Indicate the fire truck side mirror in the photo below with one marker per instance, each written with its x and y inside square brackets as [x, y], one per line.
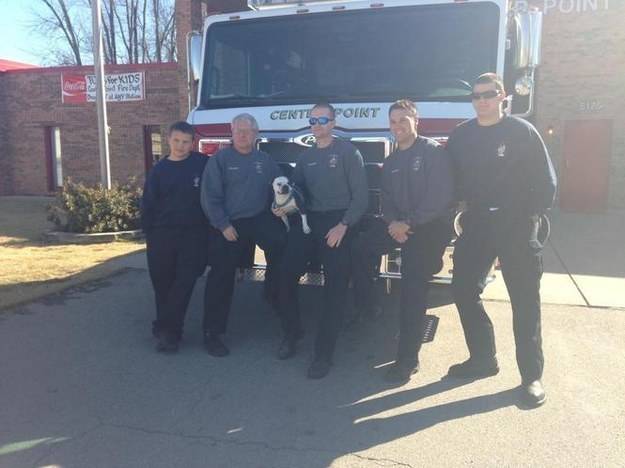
[536, 33]
[194, 56]
[527, 35]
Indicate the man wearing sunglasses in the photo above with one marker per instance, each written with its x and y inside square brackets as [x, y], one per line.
[332, 178]
[504, 181]
[416, 198]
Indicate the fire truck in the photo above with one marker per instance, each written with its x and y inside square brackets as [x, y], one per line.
[275, 61]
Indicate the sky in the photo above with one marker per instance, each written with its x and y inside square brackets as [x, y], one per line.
[17, 41]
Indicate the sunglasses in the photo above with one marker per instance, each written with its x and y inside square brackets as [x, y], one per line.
[485, 95]
[319, 120]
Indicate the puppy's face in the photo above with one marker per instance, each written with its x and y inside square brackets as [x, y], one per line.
[281, 186]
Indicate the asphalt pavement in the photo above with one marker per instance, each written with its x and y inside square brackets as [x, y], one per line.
[81, 386]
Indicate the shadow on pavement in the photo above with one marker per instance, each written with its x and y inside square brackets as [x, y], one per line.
[56, 290]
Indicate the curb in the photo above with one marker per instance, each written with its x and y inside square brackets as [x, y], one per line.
[57, 237]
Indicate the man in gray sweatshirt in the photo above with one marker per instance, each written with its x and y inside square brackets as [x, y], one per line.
[332, 177]
[236, 194]
[416, 195]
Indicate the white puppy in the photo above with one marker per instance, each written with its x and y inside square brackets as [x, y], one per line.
[290, 200]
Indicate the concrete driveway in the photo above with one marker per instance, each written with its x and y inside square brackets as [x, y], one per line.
[584, 261]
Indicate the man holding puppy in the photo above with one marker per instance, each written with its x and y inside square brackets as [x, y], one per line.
[416, 198]
[332, 177]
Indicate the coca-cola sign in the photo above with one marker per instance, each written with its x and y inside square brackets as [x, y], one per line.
[74, 89]
[120, 87]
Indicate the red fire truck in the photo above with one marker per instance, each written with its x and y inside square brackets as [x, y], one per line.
[275, 61]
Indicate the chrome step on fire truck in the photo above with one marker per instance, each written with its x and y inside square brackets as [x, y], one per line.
[277, 59]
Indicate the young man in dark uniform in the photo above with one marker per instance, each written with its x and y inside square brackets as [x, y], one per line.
[177, 233]
[505, 180]
[333, 180]
[236, 193]
[416, 198]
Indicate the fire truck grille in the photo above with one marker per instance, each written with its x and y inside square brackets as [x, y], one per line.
[287, 152]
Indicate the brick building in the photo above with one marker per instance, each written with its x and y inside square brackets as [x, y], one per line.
[579, 94]
[45, 139]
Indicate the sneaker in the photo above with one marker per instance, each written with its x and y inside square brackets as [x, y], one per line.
[215, 347]
[398, 372]
[319, 369]
[533, 394]
[167, 342]
[287, 349]
[473, 369]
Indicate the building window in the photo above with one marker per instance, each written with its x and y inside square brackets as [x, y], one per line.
[54, 157]
[152, 145]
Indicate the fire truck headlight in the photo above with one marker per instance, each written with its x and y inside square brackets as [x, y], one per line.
[523, 86]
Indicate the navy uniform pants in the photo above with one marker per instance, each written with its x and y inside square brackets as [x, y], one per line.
[300, 251]
[264, 230]
[176, 257]
[487, 235]
[421, 258]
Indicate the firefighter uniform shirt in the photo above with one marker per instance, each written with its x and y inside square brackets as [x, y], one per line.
[503, 166]
[237, 185]
[417, 184]
[333, 178]
[171, 195]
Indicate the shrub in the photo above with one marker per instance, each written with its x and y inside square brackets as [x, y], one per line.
[83, 209]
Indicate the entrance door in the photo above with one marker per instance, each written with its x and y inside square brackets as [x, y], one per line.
[585, 165]
[151, 145]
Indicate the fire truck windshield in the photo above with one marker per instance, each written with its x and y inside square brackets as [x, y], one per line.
[427, 53]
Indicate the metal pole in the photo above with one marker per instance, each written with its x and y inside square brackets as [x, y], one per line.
[98, 65]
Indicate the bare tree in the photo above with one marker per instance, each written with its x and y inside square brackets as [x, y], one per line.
[164, 30]
[108, 25]
[58, 19]
[135, 31]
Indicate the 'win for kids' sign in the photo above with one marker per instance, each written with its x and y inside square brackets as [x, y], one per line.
[119, 87]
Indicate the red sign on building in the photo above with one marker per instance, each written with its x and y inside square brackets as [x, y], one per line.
[74, 89]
